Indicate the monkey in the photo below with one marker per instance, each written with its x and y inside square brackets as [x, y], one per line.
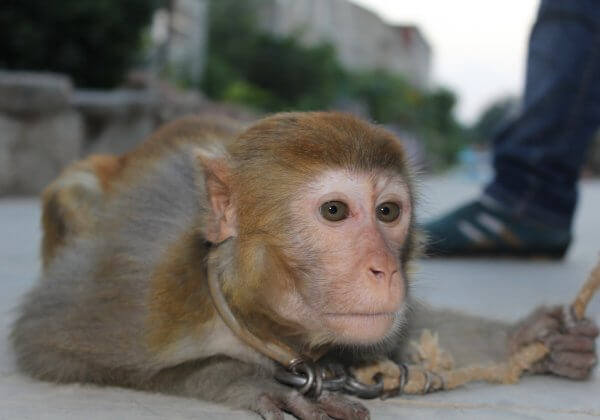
[306, 220]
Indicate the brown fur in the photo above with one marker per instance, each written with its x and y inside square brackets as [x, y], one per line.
[179, 300]
[68, 206]
[315, 142]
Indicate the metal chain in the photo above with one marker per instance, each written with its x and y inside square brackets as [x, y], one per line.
[311, 380]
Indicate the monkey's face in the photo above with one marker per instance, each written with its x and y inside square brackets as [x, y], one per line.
[324, 214]
[349, 230]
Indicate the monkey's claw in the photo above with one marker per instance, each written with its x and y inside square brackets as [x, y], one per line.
[272, 406]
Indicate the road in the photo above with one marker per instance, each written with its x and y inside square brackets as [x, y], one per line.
[505, 289]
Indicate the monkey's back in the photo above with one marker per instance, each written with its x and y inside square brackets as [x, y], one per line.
[93, 301]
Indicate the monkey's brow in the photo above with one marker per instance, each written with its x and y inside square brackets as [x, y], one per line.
[314, 183]
[389, 177]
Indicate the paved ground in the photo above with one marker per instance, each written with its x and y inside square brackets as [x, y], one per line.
[503, 289]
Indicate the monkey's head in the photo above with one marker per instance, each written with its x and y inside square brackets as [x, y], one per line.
[321, 208]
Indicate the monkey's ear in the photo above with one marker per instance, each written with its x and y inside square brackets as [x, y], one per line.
[217, 180]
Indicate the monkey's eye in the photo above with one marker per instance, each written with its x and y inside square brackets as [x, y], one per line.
[387, 212]
[334, 211]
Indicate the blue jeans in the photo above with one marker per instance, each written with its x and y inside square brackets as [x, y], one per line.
[538, 156]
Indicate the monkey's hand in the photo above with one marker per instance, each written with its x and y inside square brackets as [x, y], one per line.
[571, 341]
[272, 405]
[247, 386]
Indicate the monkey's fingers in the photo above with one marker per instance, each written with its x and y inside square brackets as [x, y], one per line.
[574, 360]
[573, 343]
[572, 365]
[340, 407]
[568, 371]
[536, 327]
[585, 327]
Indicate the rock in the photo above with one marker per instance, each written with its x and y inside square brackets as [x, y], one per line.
[100, 104]
[44, 124]
[30, 93]
[116, 120]
[10, 130]
[44, 147]
[121, 135]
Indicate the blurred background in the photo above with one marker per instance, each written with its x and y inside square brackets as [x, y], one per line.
[96, 76]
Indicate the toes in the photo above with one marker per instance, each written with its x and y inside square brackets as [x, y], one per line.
[272, 415]
[574, 343]
[267, 409]
[301, 407]
[340, 407]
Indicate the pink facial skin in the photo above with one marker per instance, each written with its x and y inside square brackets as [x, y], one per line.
[359, 291]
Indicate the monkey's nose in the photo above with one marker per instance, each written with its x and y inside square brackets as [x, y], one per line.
[381, 275]
[381, 268]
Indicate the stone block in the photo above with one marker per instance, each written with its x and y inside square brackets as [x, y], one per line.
[120, 135]
[29, 93]
[44, 147]
[10, 131]
[103, 104]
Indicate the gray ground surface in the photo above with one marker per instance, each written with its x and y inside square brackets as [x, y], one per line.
[505, 289]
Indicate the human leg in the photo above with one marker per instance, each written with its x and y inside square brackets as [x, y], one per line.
[528, 207]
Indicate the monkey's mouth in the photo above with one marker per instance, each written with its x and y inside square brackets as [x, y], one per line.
[360, 314]
[358, 327]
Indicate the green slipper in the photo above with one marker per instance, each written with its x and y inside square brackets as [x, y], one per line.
[477, 229]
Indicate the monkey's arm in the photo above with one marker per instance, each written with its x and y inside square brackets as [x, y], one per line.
[471, 340]
[468, 339]
[247, 386]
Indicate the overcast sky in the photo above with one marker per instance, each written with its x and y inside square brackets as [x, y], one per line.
[478, 46]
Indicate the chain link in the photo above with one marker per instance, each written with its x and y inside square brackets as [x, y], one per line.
[311, 380]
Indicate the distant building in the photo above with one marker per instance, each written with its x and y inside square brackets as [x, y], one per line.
[179, 33]
[362, 39]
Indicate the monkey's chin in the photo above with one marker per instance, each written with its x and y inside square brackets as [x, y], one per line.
[357, 328]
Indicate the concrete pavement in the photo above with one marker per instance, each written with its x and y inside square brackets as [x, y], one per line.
[505, 289]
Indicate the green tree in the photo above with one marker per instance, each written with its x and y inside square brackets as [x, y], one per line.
[250, 66]
[388, 97]
[391, 99]
[94, 41]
